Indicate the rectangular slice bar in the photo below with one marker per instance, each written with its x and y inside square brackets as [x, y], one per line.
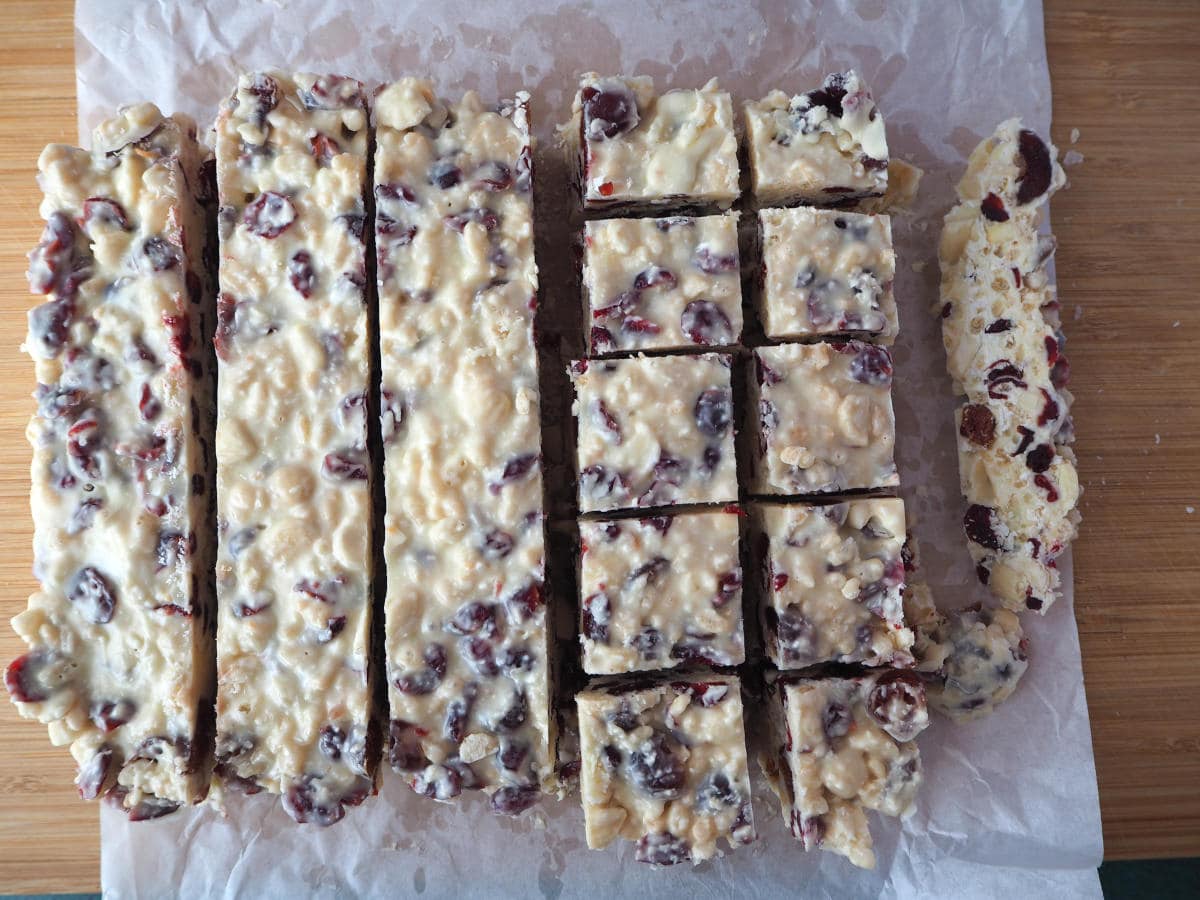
[1004, 351]
[661, 592]
[824, 418]
[294, 506]
[654, 431]
[120, 632]
[664, 764]
[840, 747]
[832, 582]
[826, 146]
[661, 284]
[466, 628]
[639, 152]
[826, 273]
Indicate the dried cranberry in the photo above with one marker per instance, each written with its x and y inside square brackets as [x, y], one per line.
[469, 618]
[651, 570]
[424, 681]
[829, 95]
[148, 405]
[226, 324]
[1060, 373]
[333, 92]
[978, 424]
[1000, 375]
[514, 717]
[647, 643]
[323, 148]
[999, 326]
[1049, 411]
[655, 276]
[23, 678]
[1048, 486]
[104, 211]
[779, 580]
[347, 466]
[525, 603]
[1026, 440]
[444, 175]
[598, 481]
[269, 215]
[714, 411]
[162, 255]
[712, 263]
[1036, 168]
[265, 90]
[497, 544]
[661, 524]
[405, 753]
[493, 176]
[662, 849]
[703, 693]
[897, 703]
[639, 325]
[300, 273]
[729, 586]
[92, 594]
[50, 323]
[459, 221]
[705, 323]
[608, 112]
[607, 420]
[624, 303]
[836, 721]
[84, 515]
[458, 712]
[109, 715]
[602, 339]
[513, 799]
[992, 208]
[516, 468]
[96, 774]
[355, 224]
[58, 264]
[871, 365]
[172, 547]
[300, 801]
[981, 524]
[1039, 458]
[656, 768]
[595, 615]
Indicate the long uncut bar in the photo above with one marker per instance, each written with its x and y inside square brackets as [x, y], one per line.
[1004, 351]
[466, 628]
[121, 631]
[293, 568]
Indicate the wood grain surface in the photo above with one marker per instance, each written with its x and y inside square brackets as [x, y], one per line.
[1124, 74]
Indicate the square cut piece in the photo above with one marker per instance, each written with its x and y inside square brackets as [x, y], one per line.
[664, 764]
[823, 147]
[832, 582]
[826, 273]
[654, 431]
[840, 747]
[661, 592]
[661, 284]
[638, 151]
[824, 419]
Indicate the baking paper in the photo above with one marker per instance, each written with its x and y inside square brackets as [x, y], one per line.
[1010, 805]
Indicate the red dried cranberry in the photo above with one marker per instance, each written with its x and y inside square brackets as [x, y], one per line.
[444, 175]
[405, 753]
[459, 221]
[172, 547]
[58, 264]
[655, 276]
[981, 525]
[269, 215]
[598, 481]
[1048, 486]
[639, 325]
[662, 849]
[162, 255]
[513, 800]
[1039, 458]
[713, 411]
[992, 208]
[497, 544]
[836, 721]
[516, 468]
[1026, 440]
[870, 364]
[265, 90]
[1001, 374]
[109, 715]
[458, 712]
[148, 405]
[729, 587]
[602, 339]
[493, 176]
[897, 703]
[96, 774]
[84, 515]
[779, 580]
[607, 420]
[323, 148]
[347, 466]
[713, 263]
[300, 801]
[525, 603]
[651, 570]
[1060, 373]
[595, 615]
[705, 323]
[50, 323]
[647, 642]
[333, 92]
[656, 768]
[514, 717]
[92, 594]
[978, 424]
[300, 273]
[23, 678]
[999, 326]
[661, 524]
[226, 324]
[469, 618]
[609, 112]
[1036, 168]
[103, 211]
[703, 693]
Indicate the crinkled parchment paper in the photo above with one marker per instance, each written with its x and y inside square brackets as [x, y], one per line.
[1010, 804]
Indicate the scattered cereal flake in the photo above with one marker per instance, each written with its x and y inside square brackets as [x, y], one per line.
[1157, 439]
[1078, 312]
[1074, 135]
[1072, 158]
[1189, 509]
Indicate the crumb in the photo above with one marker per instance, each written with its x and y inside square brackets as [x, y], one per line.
[1175, 324]
[1157, 439]
[918, 266]
[1078, 312]
[1189, 509]
[1074, 135]
[1072, 158]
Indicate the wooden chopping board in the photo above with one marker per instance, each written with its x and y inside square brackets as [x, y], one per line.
[1127, 228]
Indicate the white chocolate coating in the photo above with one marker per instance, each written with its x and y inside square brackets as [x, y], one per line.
[661, 592]
[826, 273]
[636, 150]
[294, 506]
[833, 577]
[465, 615]
[664, 764]
[1003, 350]
[661, 284]
[824, 418]
[654, 431]
[825, 146]
[840, 747]
[121, 628]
